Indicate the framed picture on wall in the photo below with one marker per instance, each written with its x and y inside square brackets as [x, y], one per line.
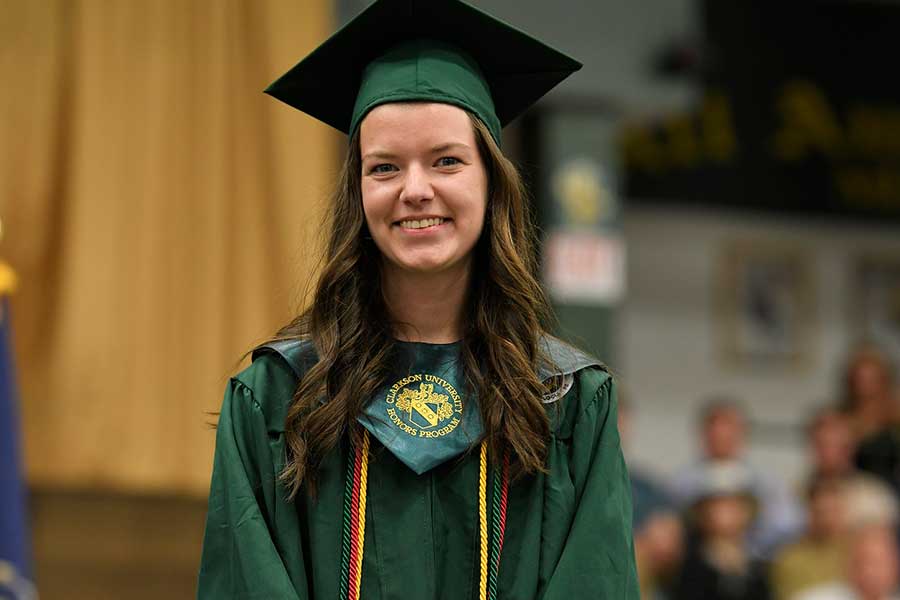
[875, 301]
[764, 295]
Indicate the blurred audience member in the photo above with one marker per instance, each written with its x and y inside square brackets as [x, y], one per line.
[832, 445]
[871, 572]
[723, 430]
[870, 401]
[869, 500]
[658, 531]
[720, 566]
[815, 558]
[868, 392]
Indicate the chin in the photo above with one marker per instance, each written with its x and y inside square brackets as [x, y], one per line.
[425, 264]
[425, 267]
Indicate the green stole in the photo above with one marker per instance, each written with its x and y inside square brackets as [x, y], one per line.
[424, 413]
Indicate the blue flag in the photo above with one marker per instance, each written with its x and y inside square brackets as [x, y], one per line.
[15, 567]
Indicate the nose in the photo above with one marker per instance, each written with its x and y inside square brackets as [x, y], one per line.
[416, 185]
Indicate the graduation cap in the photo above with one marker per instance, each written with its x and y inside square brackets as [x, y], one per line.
[423, 50]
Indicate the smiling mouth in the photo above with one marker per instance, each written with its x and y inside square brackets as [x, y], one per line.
[422, 223]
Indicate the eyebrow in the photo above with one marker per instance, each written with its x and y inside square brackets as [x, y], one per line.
[449, 146]
[384, 155]
[379, 154]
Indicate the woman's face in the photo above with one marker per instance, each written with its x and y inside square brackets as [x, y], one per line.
[424, 185]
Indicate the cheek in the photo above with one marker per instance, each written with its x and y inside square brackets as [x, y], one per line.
[375, 206]
[483, 208]
[476, 219]
[478, 203]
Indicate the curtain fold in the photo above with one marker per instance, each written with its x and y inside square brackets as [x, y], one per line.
[161, 213]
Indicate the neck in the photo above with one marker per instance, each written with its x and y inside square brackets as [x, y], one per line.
[426, 307]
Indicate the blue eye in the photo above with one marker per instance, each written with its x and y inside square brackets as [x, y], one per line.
[383, 168]
[448, 161]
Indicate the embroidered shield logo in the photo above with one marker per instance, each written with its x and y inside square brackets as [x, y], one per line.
[424, 406]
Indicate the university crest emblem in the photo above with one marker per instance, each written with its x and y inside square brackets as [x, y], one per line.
[424, 406]
[424, 413]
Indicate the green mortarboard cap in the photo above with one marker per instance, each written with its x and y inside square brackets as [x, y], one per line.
[423, 50]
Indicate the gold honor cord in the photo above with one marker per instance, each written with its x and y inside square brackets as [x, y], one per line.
[482, 520]
[361, 535]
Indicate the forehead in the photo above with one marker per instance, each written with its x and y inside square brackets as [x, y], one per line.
[414, 124]
[723, 414]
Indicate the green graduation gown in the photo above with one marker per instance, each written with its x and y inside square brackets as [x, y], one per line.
[568, 531]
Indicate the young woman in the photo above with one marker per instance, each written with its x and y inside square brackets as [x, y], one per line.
[416, 433]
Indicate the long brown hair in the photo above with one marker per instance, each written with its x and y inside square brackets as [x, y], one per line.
[348, 322]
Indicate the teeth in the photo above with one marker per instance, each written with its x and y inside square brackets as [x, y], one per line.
[421, 224]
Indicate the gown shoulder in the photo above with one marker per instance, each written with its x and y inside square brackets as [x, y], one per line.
[271, 380]
[579, 384]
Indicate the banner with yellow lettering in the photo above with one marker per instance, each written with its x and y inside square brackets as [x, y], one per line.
[799, 114]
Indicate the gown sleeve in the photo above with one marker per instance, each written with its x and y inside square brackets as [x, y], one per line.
[597, 557]
[240, 558]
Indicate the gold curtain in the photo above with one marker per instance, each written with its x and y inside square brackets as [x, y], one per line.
[160, 212]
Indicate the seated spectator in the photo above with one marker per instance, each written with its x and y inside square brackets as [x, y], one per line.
[723, 437]
[868, 399]
[720, 566]
[871, 572]
[869, 500]
[832, 445]
[815, 558]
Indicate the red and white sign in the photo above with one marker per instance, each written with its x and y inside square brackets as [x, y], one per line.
[585, 267]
